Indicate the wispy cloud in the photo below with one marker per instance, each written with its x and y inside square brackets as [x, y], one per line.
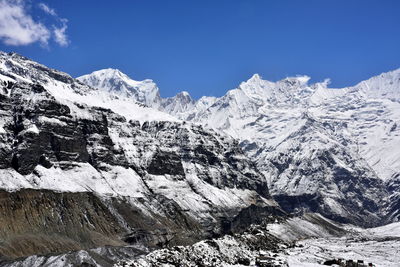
[60, 35]
[47, 9]
[18, 27]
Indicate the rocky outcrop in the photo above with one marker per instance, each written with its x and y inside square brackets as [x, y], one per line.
[42, 221]
[239, 249]
[392, 205]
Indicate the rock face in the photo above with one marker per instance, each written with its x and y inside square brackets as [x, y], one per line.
[42, 221]
[87, 169]
[392, 207]
[316, 173]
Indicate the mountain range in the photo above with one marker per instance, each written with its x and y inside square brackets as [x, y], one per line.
[104, 166]
[326, 150]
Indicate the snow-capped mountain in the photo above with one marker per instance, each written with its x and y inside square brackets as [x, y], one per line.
[114, 81]
[104, 160]
[178, 104]
[322, 149]
[314, 142]
[146, 92]
[82, 167]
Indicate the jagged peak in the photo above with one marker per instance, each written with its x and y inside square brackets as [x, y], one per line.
[255, 77]
[182, 97]
[184, 93]
[302, 79]
[107, 73]
[297, 80]
[12, 55]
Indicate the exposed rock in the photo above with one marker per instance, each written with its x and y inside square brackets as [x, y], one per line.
[42, 221]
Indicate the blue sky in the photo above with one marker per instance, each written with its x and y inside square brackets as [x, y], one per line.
[208, 47]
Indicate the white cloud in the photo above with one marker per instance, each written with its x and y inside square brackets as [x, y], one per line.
[59, 35]
[47, 9]
[17, 27]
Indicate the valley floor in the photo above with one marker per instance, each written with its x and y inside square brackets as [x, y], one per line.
[379, 246]
[314, 252]
[305, 241]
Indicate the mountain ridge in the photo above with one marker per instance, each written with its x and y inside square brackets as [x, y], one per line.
[267, 116]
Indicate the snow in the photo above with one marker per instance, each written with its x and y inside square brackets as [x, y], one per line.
[307, 226]
[316, 243]
[124, 106]
[114, 81]
[44, 119]
[315, 251]
[33, 129]
[5, 78]
[118, 181]
[389, 230]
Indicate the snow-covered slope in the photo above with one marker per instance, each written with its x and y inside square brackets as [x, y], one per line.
[146, 92]
[178, 104]
[116, 82]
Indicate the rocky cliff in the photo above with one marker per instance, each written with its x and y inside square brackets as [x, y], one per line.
[81, 168]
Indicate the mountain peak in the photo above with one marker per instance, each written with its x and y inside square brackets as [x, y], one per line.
[297, 80]
[255, 77]
[183, 94]
[113, 80]
[385, 85]
[179, 103]
[108, 73]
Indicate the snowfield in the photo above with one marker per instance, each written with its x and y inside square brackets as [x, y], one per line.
[313, 252]
[380, 245]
